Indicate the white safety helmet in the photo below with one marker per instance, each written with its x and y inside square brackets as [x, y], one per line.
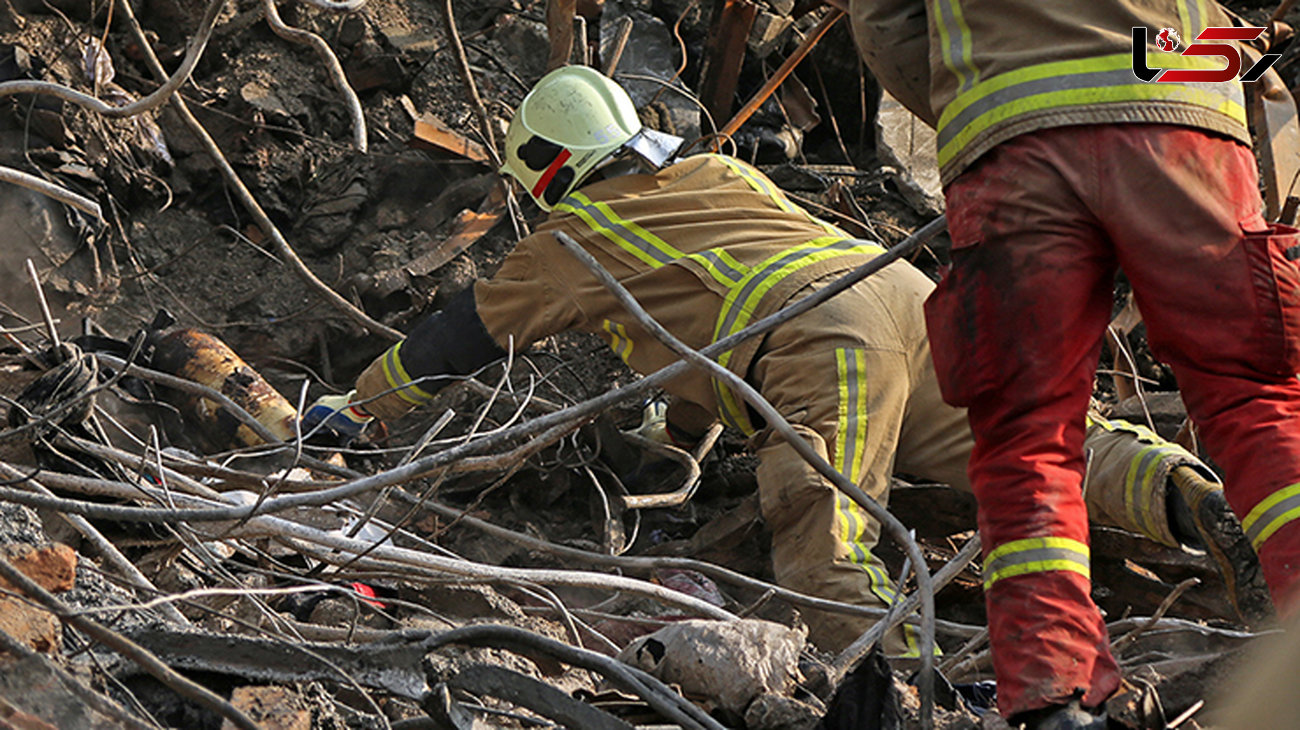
[572, 120]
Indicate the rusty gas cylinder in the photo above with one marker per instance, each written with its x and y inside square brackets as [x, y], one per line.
[206, 360]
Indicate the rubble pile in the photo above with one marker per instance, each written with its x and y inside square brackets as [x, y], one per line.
[236, 205]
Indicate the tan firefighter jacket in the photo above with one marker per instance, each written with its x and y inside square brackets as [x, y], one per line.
[984, 71]
[708, 245]
[705, 266]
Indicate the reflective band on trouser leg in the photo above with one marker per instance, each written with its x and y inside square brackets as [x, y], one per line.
[1035, 555]
[850, 447]
[399, 380]
[743, 300]
[619, 341]
[1077, 82]
[1270, 515]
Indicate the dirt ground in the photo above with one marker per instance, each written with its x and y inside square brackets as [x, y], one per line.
[178, 238]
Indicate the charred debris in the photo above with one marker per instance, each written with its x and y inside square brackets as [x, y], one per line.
[211, 209]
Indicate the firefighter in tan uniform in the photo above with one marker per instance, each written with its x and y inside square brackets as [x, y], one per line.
[708, 245]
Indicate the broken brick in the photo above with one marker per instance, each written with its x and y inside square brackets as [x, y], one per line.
[54, 568]
[272, 708]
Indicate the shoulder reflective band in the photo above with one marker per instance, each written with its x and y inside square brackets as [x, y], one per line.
[648, 248]
[1078, 82]
[1270, 515]
[399, 380]
[1141, 433]
[1035, 555]
[762, 184]
[743, 300]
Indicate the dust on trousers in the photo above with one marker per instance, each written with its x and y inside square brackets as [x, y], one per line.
[855, 378]
[1039, 226]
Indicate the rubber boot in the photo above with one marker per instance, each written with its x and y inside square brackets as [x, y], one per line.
[1070, 716]
[1201, 512]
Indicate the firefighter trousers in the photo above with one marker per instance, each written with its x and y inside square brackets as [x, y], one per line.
[855, 378]
[1039, 226]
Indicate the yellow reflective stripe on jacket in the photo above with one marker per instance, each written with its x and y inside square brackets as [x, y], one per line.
[851, 435]
[619, 342]
[397, 378]
[1140, 432]
[1076, 82]
[743, 300]
[628, 235]
[1138, 489]
[646, 246]
[955, 42]
[762, 184]
[1190, 14]
[1270, 515]
[1035, 555]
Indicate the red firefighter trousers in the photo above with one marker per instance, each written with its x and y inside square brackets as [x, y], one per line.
[1039, 226]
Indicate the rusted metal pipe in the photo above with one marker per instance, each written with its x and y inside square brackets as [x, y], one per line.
[779, 77]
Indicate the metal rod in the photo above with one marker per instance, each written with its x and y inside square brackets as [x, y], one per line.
[779, 77]
[45, 310]
[621, 35]
[1282, 7]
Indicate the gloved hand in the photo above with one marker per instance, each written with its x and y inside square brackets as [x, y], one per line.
[654, 423]
[656, 427]
[338, 414]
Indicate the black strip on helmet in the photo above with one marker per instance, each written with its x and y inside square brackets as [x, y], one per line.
[538, 153]
[558, 185]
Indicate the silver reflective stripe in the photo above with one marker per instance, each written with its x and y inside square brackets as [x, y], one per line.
[1037, 555]
[1190, 13]
[398, 378]
[853, 530]
[1140, 470]
[850, 440]
[619, 342]
[1230, 93]
[1275, 516]
[617, 231]
[721, 265]
[757, 278]
[644, 245]
[956, 51]
[759, 182]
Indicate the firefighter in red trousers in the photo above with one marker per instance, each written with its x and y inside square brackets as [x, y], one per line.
[1058, 166]
[708, 244]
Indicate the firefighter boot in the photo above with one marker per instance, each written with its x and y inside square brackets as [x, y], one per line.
[1070, 716]
[1201, 516]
